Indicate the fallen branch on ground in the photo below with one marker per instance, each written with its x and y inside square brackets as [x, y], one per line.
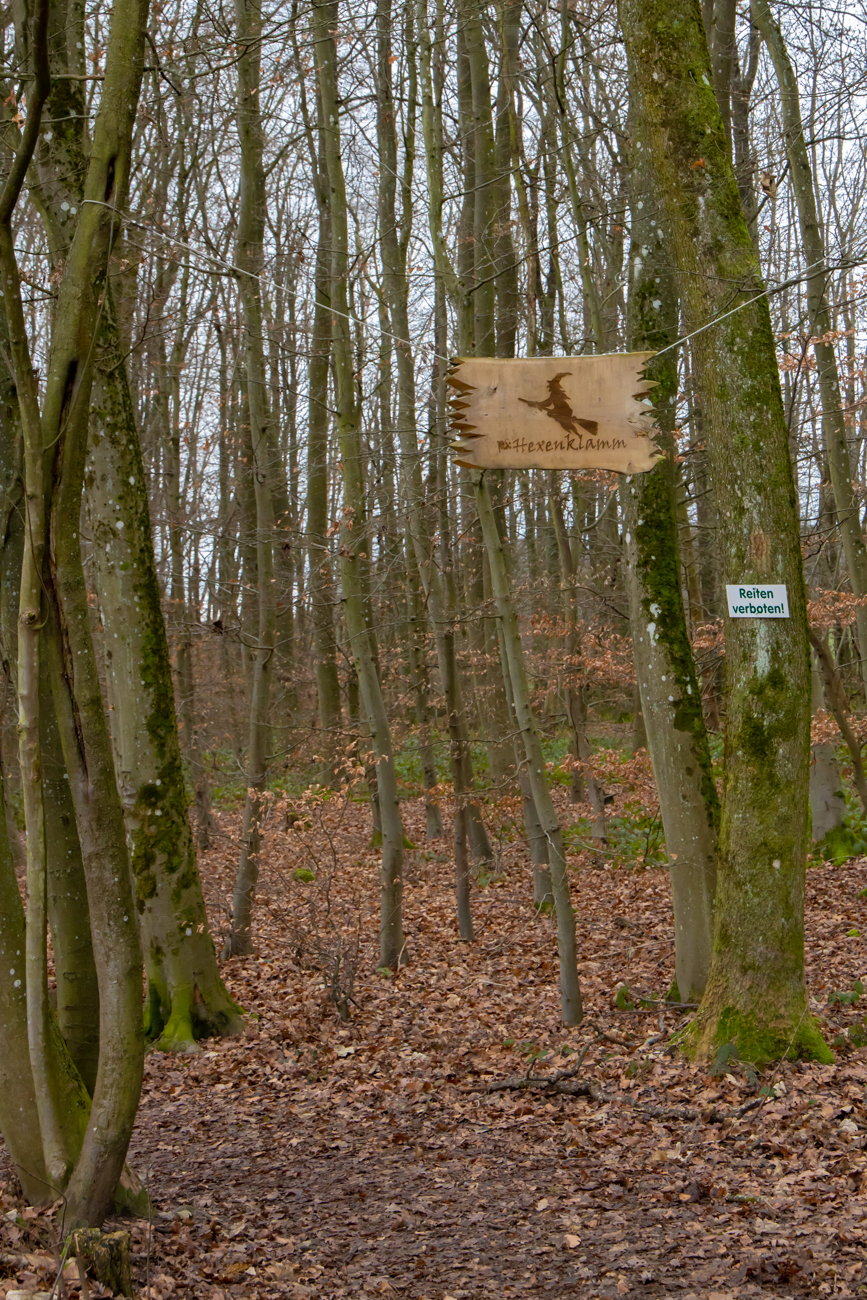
[562, 1082]
[565, 1082]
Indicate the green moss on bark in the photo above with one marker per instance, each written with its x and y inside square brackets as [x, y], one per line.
[179, 953]
[760, 1043]
[178, 1034]
[662, 601]
[758, 962]
[670, 693]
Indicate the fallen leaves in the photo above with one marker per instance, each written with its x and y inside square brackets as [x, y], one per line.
[316, 1160]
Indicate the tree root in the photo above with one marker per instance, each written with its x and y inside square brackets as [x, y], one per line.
[190, 1017]
[131, 1196]
[178, 1035]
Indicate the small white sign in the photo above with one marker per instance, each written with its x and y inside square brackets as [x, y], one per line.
[751, 600]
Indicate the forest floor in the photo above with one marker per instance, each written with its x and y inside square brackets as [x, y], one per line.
[312, 1158]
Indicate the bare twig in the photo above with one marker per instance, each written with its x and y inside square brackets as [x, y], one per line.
[58, 1279]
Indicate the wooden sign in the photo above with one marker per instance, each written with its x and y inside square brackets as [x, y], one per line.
[582, 412]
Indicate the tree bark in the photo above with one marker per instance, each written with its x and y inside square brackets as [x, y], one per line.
[323, 596]
[325, 19]
[755, 996]
[249, 259]
[19, 1116]
[68, 913]
[670, 695]
[61, 428]
[576, 708]
[186, 998]
[827, 805]
[570, 992]
[836, 697]
[436, 564]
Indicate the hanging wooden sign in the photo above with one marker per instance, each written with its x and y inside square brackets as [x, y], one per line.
[584, 412]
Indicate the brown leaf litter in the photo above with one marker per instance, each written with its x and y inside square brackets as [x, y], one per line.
[313, 1158]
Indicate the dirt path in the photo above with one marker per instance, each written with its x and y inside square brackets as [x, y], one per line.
[311, 1159]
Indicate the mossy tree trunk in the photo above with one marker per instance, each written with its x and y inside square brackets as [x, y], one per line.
[19, 1116]
[86, 742]
[68, 913]
[35, 629]
[69, 921]
[55, 609]
[19, 1112]
[755, 995]
[186, 997]
[670, 694]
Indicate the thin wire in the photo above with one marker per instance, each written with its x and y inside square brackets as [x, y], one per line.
[240, 270]
[810, 274]
[766, 293]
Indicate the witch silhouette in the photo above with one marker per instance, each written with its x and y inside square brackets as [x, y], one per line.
[556, 407]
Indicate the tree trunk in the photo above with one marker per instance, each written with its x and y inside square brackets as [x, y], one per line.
[670, 695]
[186, 998]
[170, 907]
[19, 1116]
[827, 805]
[419, 677]
[322, 591]
[570, 992]
[53, 490]
[576, 708]
[75, 971]
[462, 876]
[755, 996]
[249, 259]
[836, 697]
[325, 18]
[19, 1112]
[68, 914]
[436, 565]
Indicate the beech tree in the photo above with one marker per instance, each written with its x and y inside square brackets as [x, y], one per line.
[755, 996]
[670, 695]
[186, 997]
[251, 228]
[353, 528]
[82, 1153]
